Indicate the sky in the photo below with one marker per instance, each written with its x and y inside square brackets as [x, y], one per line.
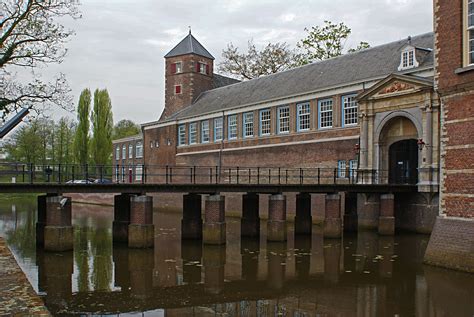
[120, 44]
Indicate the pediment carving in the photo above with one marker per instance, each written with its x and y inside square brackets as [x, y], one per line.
[396, 86]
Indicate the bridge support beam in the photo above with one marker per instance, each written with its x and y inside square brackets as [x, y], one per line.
[214, 220]
[191, 224]
[141, 231]
[121, 218]
[303, 218]
[57, 233]
[250, 222]
[387, 219]
[213, 257]
[276, 226]
[332, 220]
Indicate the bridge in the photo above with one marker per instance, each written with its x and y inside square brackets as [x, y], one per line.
[133, 223]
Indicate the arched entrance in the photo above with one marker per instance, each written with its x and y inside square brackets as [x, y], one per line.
[398, 152]
[403, 162]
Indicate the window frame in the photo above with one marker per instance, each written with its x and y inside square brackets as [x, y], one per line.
[269, 121]
[215, 128]
[203, 124]
[180, 67]
[341, 169]
[180, 89]
[124, 152]
[320, 112]
[230, 127]
[202, 66]
[181, 134]
[192, 129]
[279, 119]
[353, 168]
[130, 151]
[139, 149]
[300, 106]
[245, 121]
[343, 111]
[117, 152]
[468, 34]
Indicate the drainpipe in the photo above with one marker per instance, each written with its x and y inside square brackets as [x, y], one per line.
[220, 150]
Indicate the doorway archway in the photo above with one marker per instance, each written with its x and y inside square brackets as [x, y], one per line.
[403, 162]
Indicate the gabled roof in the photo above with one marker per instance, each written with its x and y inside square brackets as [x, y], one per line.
[189, 45]
[373, 63]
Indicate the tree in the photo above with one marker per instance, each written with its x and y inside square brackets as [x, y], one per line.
[325, 42]
[125, 128]
[25, 144]
[273, 58]
[102, 126]
[30, 38]
[81, 140]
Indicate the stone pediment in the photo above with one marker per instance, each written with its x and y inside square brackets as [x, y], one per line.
[395, 85]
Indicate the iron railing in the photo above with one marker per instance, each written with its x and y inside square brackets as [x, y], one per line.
[154, 174]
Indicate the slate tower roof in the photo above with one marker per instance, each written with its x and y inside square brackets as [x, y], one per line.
[189, 45]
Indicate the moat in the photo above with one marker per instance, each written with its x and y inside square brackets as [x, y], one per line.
[363, 274]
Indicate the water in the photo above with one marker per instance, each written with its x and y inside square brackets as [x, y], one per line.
[361, 275]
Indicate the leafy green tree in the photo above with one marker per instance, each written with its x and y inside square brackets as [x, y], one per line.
[25, 144]
[63, 139]
[81, 140]
[323, 42]
[125, 128]
[102, 127]
[31, 38]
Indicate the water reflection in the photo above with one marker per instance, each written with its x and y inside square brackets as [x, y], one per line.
[362, 275]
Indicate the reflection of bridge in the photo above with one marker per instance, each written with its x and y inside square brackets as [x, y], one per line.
[134, 209]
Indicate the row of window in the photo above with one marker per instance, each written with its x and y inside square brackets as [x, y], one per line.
[138, 151]
[124, 174]
[303, 121]
[177, 68]
[343, 171]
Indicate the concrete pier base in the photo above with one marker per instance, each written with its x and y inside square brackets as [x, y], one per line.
[303, 218]
[191, 224]
[214, 229]
[386, 225]
[58, 232]
[276, 225]
[121, 218]
[250, 222]
[141, 231]
[332, 221]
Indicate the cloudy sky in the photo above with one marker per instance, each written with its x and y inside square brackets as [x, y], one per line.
[120, 44]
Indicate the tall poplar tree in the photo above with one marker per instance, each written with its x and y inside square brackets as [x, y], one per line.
[81, 140]
[102, 128]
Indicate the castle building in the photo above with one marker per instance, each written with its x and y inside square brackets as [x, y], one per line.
[401, 112]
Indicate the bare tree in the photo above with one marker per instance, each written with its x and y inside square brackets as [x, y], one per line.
[30, 38]
[273, 58]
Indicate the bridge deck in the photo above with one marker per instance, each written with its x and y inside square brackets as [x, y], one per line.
[203, 188]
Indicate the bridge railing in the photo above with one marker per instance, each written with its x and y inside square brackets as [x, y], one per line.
[154, 174]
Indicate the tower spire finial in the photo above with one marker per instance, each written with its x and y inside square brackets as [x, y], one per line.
[189, 26]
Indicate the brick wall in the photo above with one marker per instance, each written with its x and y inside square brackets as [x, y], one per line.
[192, 82]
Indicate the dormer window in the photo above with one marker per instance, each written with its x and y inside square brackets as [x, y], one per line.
[408, 58]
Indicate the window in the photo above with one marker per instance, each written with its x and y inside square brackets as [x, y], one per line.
[349, 110]
[341, 169]
[205, 131]
[303, 119]
[139, 150]
[124, 152]
[181, 134]
[138, 172]
[232, 124]
[218, 129]
[470, 32]
[352, 168]
[284, 119]
[248, 124]
[408, 59]
[151, 144]
[193, 133]
[130, 151]
[202, 68]
[265, 122]
[325, 113]
[117, 173]
[177, 89]
[176, 68]
[117, 152]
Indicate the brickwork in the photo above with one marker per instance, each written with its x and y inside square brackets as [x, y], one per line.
[215, 211]
[141, 210]
[192, 82]
[214, 228]
[387, 219]
[452, 244]
[332, 221]
[58, 211]
[125, 166]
